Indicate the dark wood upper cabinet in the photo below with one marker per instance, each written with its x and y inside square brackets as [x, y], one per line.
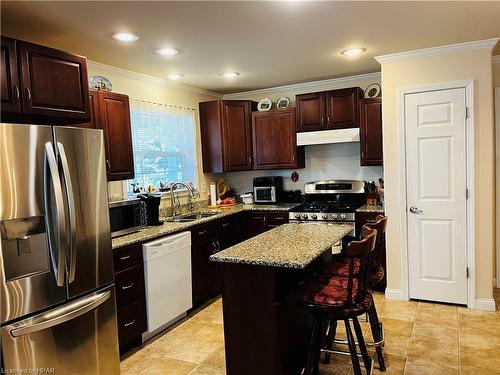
[11, 99]
[237, 134]
[275, 140]
[370, 132]
[54, 82]
[342, 108]
[94, 122]
[311, 112]
[336, 109]
[114, 119]
[226, 135]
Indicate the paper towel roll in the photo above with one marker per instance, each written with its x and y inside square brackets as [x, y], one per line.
[213, 194]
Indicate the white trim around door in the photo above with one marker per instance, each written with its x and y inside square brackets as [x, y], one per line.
[468, 85]
[497, 146]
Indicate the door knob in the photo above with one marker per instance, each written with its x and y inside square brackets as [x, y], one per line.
[415, 210]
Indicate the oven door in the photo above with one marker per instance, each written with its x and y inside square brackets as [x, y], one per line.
[264, 194]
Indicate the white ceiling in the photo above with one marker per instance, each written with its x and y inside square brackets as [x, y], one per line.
[269, 43]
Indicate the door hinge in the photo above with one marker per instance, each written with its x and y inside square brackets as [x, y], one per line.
[467, 271]
[466, 112]
[466, 193]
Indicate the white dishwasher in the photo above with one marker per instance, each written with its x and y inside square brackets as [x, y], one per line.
[167, 274]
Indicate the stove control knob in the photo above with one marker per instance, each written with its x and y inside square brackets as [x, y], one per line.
[342, 216]
[334, 216]
[314, 216]
[324, 216]
[304, 216]
[297, 216]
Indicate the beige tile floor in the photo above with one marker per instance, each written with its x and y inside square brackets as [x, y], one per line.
[421, 338]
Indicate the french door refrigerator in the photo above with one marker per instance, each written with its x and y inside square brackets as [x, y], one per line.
[57, 309]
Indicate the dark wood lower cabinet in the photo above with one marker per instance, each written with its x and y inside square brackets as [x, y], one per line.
[204, 273]
[257, 222]
[132, 322]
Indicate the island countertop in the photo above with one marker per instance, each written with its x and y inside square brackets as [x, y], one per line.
[287, 246]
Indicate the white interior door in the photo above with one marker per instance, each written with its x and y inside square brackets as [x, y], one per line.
[436, 195]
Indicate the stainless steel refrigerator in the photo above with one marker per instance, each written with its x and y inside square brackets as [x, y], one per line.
[57, 310]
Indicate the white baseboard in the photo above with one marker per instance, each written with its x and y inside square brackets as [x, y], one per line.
[485, 304]
[395, 294]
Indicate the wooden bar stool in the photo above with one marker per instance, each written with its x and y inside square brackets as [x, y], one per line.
[340, 267]
[334, 298]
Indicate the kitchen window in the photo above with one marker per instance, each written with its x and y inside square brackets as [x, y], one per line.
[164, 144]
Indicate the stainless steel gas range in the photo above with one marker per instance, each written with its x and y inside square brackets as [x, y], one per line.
[330, 201]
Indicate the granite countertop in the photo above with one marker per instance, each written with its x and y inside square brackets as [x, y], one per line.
[371, 208]
[170, 226]
[287, 246]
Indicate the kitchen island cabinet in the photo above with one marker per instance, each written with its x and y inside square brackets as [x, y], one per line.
[262, 319]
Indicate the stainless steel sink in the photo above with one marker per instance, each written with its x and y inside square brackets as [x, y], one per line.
[193, 217]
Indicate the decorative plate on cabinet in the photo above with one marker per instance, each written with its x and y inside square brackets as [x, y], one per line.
[282, 103]
[100, 83]
[372, 91]
[264, 104]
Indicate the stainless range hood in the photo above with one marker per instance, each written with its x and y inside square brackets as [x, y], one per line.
[328, 136]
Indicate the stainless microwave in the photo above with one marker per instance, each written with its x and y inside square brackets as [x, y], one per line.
[267, 189]
[127, 216]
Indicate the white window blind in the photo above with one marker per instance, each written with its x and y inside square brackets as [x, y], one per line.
[164, 144]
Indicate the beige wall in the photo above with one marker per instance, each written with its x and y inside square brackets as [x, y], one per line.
[496, 83]
[146, 88]
[431, 70]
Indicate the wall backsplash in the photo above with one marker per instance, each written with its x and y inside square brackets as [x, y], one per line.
[332, 161]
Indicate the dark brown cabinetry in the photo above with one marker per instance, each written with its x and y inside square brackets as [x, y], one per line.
[43, 85]
[110, 112]
[226, 135]
[11, 97]
[363, 218]
[370, 132]
[336, 109]
[342, 108]
[130, 295]
[258, 222]
[114, 120]
[311, 112]
[274, 140]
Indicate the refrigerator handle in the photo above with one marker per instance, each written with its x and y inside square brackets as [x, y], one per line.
[51, 174]
[61, 315]
[66, 176]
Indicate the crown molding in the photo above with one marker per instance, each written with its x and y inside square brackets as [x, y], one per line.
[495, 59]
[434, 51]
[145, 77]
[302, 86]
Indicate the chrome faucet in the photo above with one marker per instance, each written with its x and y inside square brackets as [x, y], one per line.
[174, 200]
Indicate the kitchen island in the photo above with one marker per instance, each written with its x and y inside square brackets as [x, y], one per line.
[265, 330]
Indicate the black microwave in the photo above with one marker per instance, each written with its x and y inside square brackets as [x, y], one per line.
[127, 216]
[267, 189]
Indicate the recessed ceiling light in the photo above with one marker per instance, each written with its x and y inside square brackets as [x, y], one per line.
[230, 74]
[353, 51]
[125, 37]
[167, 51]
[174, 76]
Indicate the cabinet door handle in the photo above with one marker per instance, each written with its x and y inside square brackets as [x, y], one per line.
[328, 119]
[279, 218]
[128, 286]
[125, 257]
[218, 245]
[202, 232]
[225, 225]
[249, 160]
[322, 119]
[28, 93]
[129, 323]
[18, 94]
[108, 166]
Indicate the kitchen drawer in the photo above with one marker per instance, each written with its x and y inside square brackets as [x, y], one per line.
[127, 256]
[131, 323]
[277, 218]
[129, 286]
[203, 232]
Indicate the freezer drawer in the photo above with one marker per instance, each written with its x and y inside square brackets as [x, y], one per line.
[79, 337]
